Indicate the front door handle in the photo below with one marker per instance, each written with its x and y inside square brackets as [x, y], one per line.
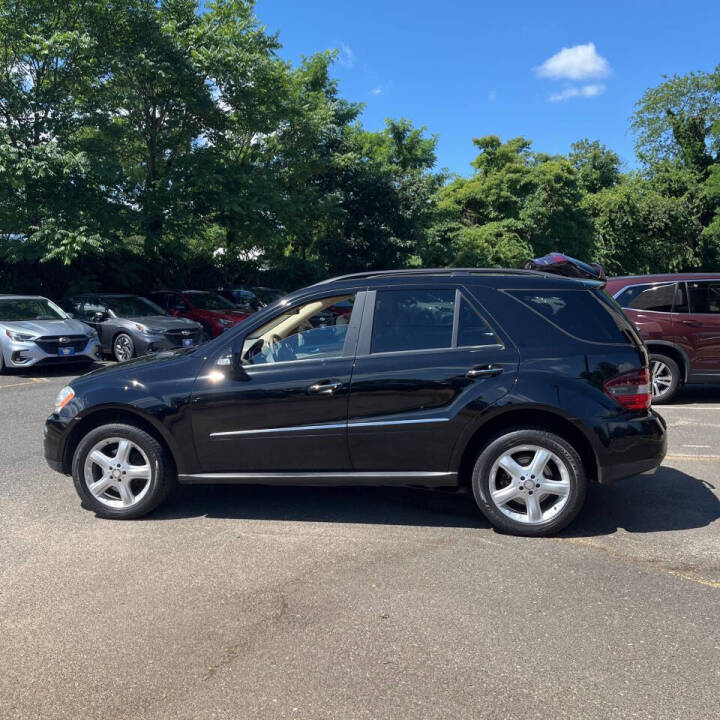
[691, 323]
[327, 387]
[483, 371]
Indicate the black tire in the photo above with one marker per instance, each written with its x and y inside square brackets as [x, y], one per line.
[2, 364]
[126, 339]
[664, 364]
[162, 474]
[557, 519]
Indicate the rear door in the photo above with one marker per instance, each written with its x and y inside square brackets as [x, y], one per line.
[701, 327]
[425, 353]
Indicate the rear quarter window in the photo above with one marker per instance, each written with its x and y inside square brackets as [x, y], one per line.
[576, 312]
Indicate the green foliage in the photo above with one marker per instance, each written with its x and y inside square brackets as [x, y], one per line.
[146, 143]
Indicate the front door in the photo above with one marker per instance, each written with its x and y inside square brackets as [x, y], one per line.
[425, 354]
[287, 409]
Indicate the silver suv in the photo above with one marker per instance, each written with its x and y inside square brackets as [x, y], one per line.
[35, 331]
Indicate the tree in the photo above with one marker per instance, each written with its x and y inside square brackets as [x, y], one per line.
[517, 204]
[597, 166]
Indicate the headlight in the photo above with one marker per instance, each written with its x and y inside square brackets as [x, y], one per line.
[144, 328]
[19, 337]
[63, 398]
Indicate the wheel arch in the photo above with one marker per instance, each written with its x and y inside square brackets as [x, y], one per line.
[663, 347]
[113, 414]
[537, 419]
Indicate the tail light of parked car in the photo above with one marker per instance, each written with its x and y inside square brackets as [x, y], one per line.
[631, 389]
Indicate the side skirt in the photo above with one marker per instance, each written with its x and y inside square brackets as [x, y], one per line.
[429, 479]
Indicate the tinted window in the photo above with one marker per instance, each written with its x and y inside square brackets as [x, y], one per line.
[577, 312]
[413, 320]
[658, 298]
[704, 296]
[210, 301]
[29, 309]
[472, 329]
[132, 306]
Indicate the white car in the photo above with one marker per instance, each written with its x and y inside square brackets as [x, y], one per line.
[34, 331]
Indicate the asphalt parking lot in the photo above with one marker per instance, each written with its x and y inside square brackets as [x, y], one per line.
[245, 602]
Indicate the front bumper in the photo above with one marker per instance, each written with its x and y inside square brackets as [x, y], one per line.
[54, 443]
[29, 354]
[633, 447]
[152, 343]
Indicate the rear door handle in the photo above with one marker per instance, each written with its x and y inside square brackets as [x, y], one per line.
[691, 323]
[327, 387]
[483, 371]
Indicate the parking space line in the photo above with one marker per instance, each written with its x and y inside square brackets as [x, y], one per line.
[31, 381]
[692, 577]
[705, 458]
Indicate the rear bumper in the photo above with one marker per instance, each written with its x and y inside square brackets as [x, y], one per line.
[635, 446]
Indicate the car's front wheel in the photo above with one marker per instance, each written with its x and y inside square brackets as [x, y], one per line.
[529, 482]
[123, 347]
[665, 374]
[121, 472]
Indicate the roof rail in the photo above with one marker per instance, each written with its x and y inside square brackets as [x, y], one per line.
[430, 271]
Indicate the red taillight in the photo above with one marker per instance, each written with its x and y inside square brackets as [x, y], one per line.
[631, 389]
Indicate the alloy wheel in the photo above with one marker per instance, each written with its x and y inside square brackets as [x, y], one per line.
[117, 472]
[662, 378]
[123, 347]
[529, 484]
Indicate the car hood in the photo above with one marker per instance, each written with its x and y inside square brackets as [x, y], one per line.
[135, 366]
[47, 327]
[164, 322]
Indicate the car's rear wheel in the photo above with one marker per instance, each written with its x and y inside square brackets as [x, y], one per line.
[665, 374]
[2, 363]
[529, 482]
[121, 472]
[123, 347]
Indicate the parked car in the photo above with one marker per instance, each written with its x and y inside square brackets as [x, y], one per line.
[269, 295]
[243, 298]
[34, 331]
[518, 385]
[212, 311]
[678, 316]
[129, 325]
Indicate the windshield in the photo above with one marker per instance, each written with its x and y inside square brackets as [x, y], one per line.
[210, 301]
[30, 309]
[132, 306]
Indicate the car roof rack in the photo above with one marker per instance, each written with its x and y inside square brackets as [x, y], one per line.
[449, 272]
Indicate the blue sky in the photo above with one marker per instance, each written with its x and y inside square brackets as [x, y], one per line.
[467, 68]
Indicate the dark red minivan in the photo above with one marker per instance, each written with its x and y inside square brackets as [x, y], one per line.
[678, 317]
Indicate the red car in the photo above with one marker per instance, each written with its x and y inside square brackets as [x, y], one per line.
[678, 316]
[212, 311]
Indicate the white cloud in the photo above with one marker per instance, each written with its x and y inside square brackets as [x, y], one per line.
[575, 63]
[492, 95]
[377, 91]
[573, 91]
[347, 56]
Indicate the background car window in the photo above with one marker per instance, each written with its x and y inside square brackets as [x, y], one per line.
[657, 298]
[314, 330]
[90, 307]
[704, 297]
[132, 306]
[413, 320]
[577, 312]
[210, 301]
[472, 328]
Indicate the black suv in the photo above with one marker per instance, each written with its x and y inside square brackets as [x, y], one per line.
[520, 385]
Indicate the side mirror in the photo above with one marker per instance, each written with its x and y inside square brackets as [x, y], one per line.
[100, 317]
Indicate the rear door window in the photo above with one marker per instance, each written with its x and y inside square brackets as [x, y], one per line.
[413, 319]
[576, 312]
[704, 297]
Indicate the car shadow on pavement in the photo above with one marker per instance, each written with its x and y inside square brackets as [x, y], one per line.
[666, 501]
[669, 500]
[54, 371]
